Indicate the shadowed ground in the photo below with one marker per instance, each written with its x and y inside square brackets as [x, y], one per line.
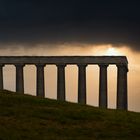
[27, 117]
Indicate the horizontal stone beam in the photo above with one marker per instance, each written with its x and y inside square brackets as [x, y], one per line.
[64, 59]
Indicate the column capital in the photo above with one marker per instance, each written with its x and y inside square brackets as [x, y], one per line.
[121, 65]
[40, 65]
[61, 65]
[81, 65]
[19, 65]
[124, 66]
[103, 65]
[2, 65]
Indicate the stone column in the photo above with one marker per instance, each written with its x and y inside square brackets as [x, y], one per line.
[40, 80]
[19, 78]
[61, 82]
[1, 76]
[82, 83]
[122, 87]
[103, 86]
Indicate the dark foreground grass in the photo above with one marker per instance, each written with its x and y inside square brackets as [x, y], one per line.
[24, 117]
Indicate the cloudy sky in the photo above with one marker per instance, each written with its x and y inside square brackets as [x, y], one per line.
[59, 21]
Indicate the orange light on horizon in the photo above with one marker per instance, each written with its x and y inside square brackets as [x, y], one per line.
[112, 52]
[109, 50]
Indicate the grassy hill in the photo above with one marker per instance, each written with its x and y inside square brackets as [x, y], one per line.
[24, 117]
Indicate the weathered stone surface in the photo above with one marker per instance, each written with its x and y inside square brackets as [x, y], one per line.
[61, 82]
[61, 62]
[1, 77]
[82, 83]
[122, 87]
[40, 80]
[64, 59]
[103, 85]
[19, 78]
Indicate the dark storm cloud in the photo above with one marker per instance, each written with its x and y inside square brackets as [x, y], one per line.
[59, 21]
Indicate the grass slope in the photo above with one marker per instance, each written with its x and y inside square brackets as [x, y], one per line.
[24, 117]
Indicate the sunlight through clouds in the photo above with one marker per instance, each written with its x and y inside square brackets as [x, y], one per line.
[92, 75]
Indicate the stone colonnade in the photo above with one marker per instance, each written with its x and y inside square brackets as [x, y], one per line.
[61, 62]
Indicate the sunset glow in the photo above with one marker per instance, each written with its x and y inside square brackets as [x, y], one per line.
[112, 51]
[71, 82]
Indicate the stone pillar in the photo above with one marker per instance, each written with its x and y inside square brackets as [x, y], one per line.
[40, 80]
[1, 76]
[82, 83]
[103, 85]
[61, 82]
[122, 87]
[19, 78]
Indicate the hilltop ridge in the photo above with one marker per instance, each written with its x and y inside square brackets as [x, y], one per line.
[28, 117]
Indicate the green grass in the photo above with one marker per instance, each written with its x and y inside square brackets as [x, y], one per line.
[24, 117]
